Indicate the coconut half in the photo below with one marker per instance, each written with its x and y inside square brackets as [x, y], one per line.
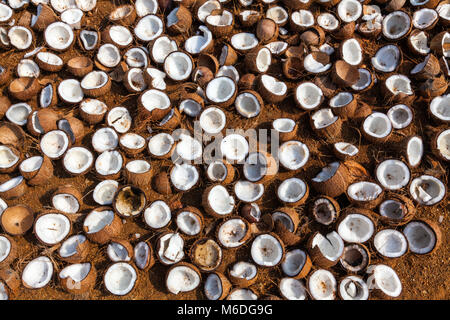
[353, 288]
[400, 115]
[233, 233]
[20, 37]
[244, 273]
[120, 119]
[104, 192]
[247, 191]
[355, 258]
[422, 238]
[37, 273]
[293, 155]
[184, 176]
[296, 263]
[18, 113]
[78, 160]
[70, 91]
[200, 42]
[212, 120]
[267, 250]
[387, 58]
[384, 278]
[393, 174]
[377, 125]
[425, 18]
[189, 222]
[59, 36]
[74, 248]
[308, 95]
[54, 144]
[105, 139]
[355, 227]
[440, 107]
[349, 10]
[390, 243]
[109, 163]
[396, 25]
[178, 66]
[234, 147]
[161, 48]
[120, 278]
[414, 150]
[52, 228]
[242, 294]
[248, 104]
[292, 289]
[157, 215]
[322, 285]
[443, 144]
[221, 91]
[161, 144]
[170, 248]
[182, 278]
[244, 41]
[129, 201]
[218, 201]
[427, 190]
[149, 28]
[292, 190]
[145, 7]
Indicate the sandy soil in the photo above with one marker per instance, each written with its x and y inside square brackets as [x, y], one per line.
[423, 277]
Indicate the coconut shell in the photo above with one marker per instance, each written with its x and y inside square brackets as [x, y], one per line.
[331, 132]
[306, 268]
[5, 103]
[69, 189]
[375, 139]
[171, 121]
[43, 174]
[11, 279]
[407, 205]
[82, 251]
[250, 59]
[433, 87]
[76, 132]
[80, 66]
[242, 282]
[199, 252]
[356, 171]
[267, 95]
[362, 111]
[13, 252]
[327, 86]
[197, 213]
[14, 166]
[17, 220]
[434, 146]
[207, 206]
[44, 65]
[108, 232]
[286, 136]
[430, 70]
[184, 21]
[346, 111]
[225, 283]
[46, 18]
[333, 202]
[437, 232]
[231, 173]
[24, 89]
[346, 31]
[98, 92]
[138, 179]
[54, 98]
[247, 82]
[92, 118]
[49, 212]
[5, 75]
[106, 38]
[80, 42]
[126, 190]
[364, 267]
[15, 192]
[47, 119]
[317, 258]
[156, 114]
[128, 19]
[231, 56]
[126, 244]
[184, 264]
[336, 185]
[161, 183]
[266, 30]
[244, 239]
[344, 74]
[131, 151]
[293, 68]
[342, 156]
[370, 204]
[85, 285]
[150, 262]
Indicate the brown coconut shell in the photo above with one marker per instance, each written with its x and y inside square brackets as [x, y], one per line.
[437, 232]
[98, 92]
[247, 82]
[244, 239]
[293, 68]
[336, 185]
[24, 89]
[305, 269]
[47, 119]
[82, 251]
[317, 258]
[364, 266]
[150, 262]
[252, 19]
[231, 56]
[13, 252]
[331, 132]
[407, 206]
[156, 114]
[44, 65]
[80, 42]
[17, 220]
[288, 238]
[80, 66]
[12, 280]
[85, 285]
[46, 18]
[126, 244]
[346, 111]
[42, 175]
[315, 211]
[5, 103]
[126, 19]
[327, 86]
[122, 194]
[15, 192]
[362, 111]
[161, 183]
[171, 120]
[433, 87]
[203, 257]
[266, 30]
[5, 75]
[434, 146]
[12, 134]
[76, 130]
[108, 232]
[344, 74]
[14, 166]
[242, 282]
[184, 21]
[250, 59]
[197, 213]
[69, 189]
[226, 285]
[267, 95]
[286, 136]
[139, 179]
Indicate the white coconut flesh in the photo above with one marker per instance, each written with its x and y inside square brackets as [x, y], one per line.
[72, 17]
[356, 228]
[392, 209]
[283, 125]
[248, 191]
[276, 47]
[3, 292]
[184, 176]
[353, 288]
[160, 144]
[66, 203]
[228, 71]
[349, 10]
[443, 144]
[244, 41]
[400, 115]
[206, 8]
[365, 80]
[108, 55]
[162, 47]
[78, 159]
[396, 25]
[5, 248]
[390, 243]
[18, 113]
[93, 106]
[247, 105]
[7, 157]
[420, 66]
[62, 5]
[424, 18]
[20, 37]
[377, 125]
[178, 66]
[244, 270]
[427, 190]
[220, 89]
[387, 58]
[157, 76]
[322, 285]
[234, 147]
[440, 107]
[149, 28]
[108, 162]
[414, 151]
[98, 220]
[46, 96]
[59, 36]
[323, 118]
[313, 66]
[421, 238]
[223, 20]
[155, 99]
[189, 223]
[352, 52]
[328, 21]
[31, 164]
[232, 232]
[213, 287]
[182, 279]
[141, 254]
[364, 191]
[136, 58]
[220, 200]
[188, 148]
[284, 219]
[11, 184]
[246, 14]
[341, 100]
[54, 143]
[443, 10]
[135, 79]
[266, 250]
[384, 278]
[278, 88]
[117, 252]
[5, 12]
[303, 18]
[196, 44]
[419, 42]
[242, 294]
[292, 190]
[145, 7]
[70, 246]
[4, 39]
[89, 39]
[308, 95]
[255, 166]
[104, 192]
[293, 262]
[3, 206]
[331, 246]
[217, 171]
[293, 154]
[120, 119]
[28, 68]
[70, 90]
[138, 166]
[77, 272]
[49, 58]
[212, 120]
[132, 141]
[190, 107]
[120, 35]
[393, 174]
[277, 14]
[94, 80]
[346, 148]
[120, 278]
[38, 273]
[293, 289]
[105, 139]
[171, 248]
[157, 215]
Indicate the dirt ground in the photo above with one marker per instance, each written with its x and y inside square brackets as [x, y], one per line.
[423, 277]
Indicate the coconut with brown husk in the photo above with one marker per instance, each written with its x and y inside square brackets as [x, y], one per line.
[51, 227]
[427, 190]
[322, 285]
[74, 249]
[101, 225]
[186, 271]
[355, 258]
[67, 199]
[78, 278]
[396, 210]
[364, 222]
[13, 188]
[216, 286]
[129, 201]
[37, 273]
[143, 256]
